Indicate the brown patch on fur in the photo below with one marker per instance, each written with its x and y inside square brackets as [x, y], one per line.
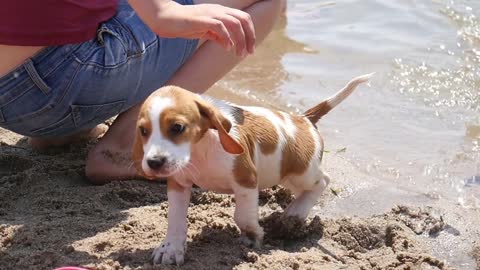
[314, 114]
[298, 151]
[263, 130]
[253, 130]
[139, 141]
[137, 155]
[184, 112]
[244, 169]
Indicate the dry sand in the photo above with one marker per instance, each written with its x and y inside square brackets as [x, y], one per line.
[50, 216]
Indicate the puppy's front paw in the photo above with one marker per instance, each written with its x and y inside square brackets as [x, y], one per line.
[252, 238]
[169, 252]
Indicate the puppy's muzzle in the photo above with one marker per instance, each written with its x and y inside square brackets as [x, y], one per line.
[156, 163]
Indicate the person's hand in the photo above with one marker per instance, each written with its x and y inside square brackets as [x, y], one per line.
[226, 26]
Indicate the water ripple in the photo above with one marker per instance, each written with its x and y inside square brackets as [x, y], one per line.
[456, 86]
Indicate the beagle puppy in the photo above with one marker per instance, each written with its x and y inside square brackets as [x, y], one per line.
[193, 139]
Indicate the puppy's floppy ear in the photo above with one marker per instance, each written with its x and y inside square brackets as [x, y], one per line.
[222, 124]
[137, 152]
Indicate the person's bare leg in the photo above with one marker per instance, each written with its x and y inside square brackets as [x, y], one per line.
[110, 158]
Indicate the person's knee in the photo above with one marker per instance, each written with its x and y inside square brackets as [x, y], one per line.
[275, 7]
[251, 2]
[281, 7]
[282, 4]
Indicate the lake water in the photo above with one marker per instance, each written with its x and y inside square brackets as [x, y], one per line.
[416, 128]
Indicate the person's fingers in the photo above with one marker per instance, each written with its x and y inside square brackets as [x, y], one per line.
[214, 37]
[248, 27]
[236, 31]
[226, 26]
[217, 31]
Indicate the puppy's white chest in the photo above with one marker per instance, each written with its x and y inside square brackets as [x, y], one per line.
[211, 167]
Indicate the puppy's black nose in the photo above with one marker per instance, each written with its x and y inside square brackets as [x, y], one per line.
[156, 163]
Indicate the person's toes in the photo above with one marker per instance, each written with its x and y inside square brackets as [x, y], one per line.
[98, 131]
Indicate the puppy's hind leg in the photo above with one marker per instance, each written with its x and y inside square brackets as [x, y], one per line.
[306, 199]
[246, 216]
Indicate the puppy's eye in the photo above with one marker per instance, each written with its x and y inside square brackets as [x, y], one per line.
[143, 131]
[177, 129]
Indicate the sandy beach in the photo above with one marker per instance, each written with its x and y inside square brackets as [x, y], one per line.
[50, 217]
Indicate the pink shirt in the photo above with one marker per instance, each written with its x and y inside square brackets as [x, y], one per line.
[52, 22]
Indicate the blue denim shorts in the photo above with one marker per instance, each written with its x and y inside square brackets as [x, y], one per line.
[66, 89]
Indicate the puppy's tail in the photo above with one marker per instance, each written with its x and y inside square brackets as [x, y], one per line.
[314, 114]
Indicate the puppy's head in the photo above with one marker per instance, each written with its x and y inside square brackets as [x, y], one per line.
[169, 122]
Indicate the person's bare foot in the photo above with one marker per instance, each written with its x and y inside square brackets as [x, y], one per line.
[105, 165]
[110, 159]
[43, 144]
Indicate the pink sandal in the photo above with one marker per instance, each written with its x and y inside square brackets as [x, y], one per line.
[71, 268]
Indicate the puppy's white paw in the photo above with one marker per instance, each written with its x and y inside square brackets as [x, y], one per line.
[169, 252]
[252, 239]
[254, 243]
